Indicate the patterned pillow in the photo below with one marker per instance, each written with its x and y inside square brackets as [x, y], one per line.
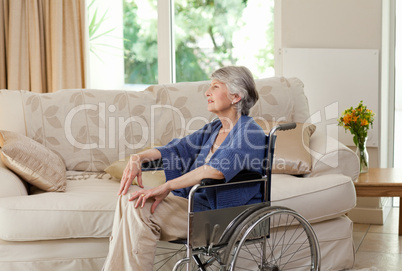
[32, 161]
[291, 155]
[150, 178]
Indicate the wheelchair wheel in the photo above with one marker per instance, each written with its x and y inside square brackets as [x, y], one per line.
[275, 238]
[167, 254]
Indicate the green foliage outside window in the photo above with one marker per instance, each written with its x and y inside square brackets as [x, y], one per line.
[140, 46]
[204, 38]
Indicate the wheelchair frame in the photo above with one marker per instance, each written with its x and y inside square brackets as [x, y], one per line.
[216, 239]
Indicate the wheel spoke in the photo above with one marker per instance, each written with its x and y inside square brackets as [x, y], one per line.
[286, 246]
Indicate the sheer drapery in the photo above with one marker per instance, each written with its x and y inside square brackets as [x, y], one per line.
[42, 44]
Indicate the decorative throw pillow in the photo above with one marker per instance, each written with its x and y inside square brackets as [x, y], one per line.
[116, 169]
[291, 154]
[32, 161]
[151, 178]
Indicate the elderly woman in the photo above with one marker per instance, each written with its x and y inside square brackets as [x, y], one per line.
[221, 149]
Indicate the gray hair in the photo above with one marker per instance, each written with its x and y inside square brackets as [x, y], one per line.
[239, 80]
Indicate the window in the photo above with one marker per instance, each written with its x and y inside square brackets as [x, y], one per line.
[215, 33]
[106, 56]
[140, 42]
[130, 48]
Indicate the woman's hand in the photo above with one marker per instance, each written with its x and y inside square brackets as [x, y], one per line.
[132, 171]
[158, 193]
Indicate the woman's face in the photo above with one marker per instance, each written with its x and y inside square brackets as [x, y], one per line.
[219, 98]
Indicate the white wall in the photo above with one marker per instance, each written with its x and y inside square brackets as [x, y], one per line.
[349, 24]
[334, 24]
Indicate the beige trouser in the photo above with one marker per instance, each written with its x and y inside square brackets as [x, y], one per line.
[136, 231]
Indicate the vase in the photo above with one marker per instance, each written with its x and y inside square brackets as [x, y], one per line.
[361, 151]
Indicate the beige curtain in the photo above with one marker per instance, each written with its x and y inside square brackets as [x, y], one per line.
[42, 44]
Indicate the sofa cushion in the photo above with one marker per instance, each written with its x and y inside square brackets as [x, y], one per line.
[329, 156]
[316, 198]
[90, 128]
[32, 161]
[291, 154]
[281, 99]
[86, 208]
[116, 170]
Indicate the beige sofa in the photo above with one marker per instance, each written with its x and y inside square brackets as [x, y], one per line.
[65, 223]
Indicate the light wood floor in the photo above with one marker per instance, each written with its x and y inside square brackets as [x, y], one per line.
[379, 245]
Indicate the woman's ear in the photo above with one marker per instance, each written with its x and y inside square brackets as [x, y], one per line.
[236, 99]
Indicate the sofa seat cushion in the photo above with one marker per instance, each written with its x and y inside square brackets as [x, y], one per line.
[85, 209]
[316, 198]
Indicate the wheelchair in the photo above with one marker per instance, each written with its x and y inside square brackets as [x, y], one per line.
[251, 237]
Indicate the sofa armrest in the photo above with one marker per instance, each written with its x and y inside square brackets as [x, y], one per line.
[10, 184]
[329, 156]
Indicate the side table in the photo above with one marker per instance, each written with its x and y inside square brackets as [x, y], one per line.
[381, 182]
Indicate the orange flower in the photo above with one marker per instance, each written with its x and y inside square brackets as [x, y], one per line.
[347, 118]
[357, 120]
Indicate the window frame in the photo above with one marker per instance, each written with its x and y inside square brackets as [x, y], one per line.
[105, 75]
[166, 53]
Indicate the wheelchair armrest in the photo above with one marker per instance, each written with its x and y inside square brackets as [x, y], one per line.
[244, 175]
[152, 165]
[206, 182]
